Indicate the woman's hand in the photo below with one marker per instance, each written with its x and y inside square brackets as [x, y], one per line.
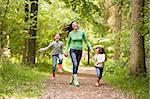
[66, 55]
[92, 50]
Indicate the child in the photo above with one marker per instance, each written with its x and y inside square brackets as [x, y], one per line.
[57, 51]
[99, 59]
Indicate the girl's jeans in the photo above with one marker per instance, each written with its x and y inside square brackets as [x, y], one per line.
[54, 61]
[75, 57]
[99, 71]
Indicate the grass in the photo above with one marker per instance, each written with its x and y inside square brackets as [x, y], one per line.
[25, 81]
[117, 74]
[20, 80]
[84, 63]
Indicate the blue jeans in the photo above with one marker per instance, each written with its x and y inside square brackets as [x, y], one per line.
[54, 61]
[99, 72]
[75, 57]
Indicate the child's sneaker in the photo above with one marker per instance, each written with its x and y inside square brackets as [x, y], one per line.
[53, 76]
[60, 68]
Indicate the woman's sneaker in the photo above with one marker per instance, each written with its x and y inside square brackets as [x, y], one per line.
[71, 80]
[75, 81]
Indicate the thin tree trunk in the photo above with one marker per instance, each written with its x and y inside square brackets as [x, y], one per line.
[32, 32]
[117, 29]
[137, 39]
[106, 10]
[24, 59]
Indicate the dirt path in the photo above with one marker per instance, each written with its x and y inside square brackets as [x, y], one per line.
[60, 89]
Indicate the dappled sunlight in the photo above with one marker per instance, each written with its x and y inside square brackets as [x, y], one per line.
[20, 97]
[74, 49]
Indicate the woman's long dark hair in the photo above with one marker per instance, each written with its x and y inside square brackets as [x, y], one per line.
[69, 28]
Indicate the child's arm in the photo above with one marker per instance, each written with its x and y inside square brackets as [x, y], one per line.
[46, 48]
[87, 43]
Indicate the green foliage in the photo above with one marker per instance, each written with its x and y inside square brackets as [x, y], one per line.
[85, 62]
[125, 43]
[117, 74]
[146, 28]
[147, 45]
[12, 18]
[90, 12]
[51, 20]
[53, 15]
[19, 79]
[44, 67]
[84, 7]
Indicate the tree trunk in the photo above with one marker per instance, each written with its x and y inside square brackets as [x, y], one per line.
[32, 32]
[117, 29]
[114, 21]
[137, 39]
[24, 59]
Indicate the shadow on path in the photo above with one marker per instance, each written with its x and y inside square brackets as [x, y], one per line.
[60, 88]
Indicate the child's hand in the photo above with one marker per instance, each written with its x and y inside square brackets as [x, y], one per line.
[97, 63]
[92, 50]
[39, 51]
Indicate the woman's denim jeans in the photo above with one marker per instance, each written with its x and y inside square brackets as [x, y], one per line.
[75, 57]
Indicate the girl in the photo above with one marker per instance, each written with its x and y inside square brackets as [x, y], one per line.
[57, 52]
[99, 59]
[75, 43]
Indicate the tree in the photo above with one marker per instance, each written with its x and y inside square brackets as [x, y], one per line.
[117, 29]
[32, 32]
[112, 17]
[137, 39]
[26, 9]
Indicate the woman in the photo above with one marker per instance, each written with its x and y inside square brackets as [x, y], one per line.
[75, 43]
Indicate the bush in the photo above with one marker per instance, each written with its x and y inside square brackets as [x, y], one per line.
[85, 63]
[16, 78]
[117, 74]
[44, 67]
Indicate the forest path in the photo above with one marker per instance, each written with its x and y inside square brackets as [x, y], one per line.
[60, 88]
